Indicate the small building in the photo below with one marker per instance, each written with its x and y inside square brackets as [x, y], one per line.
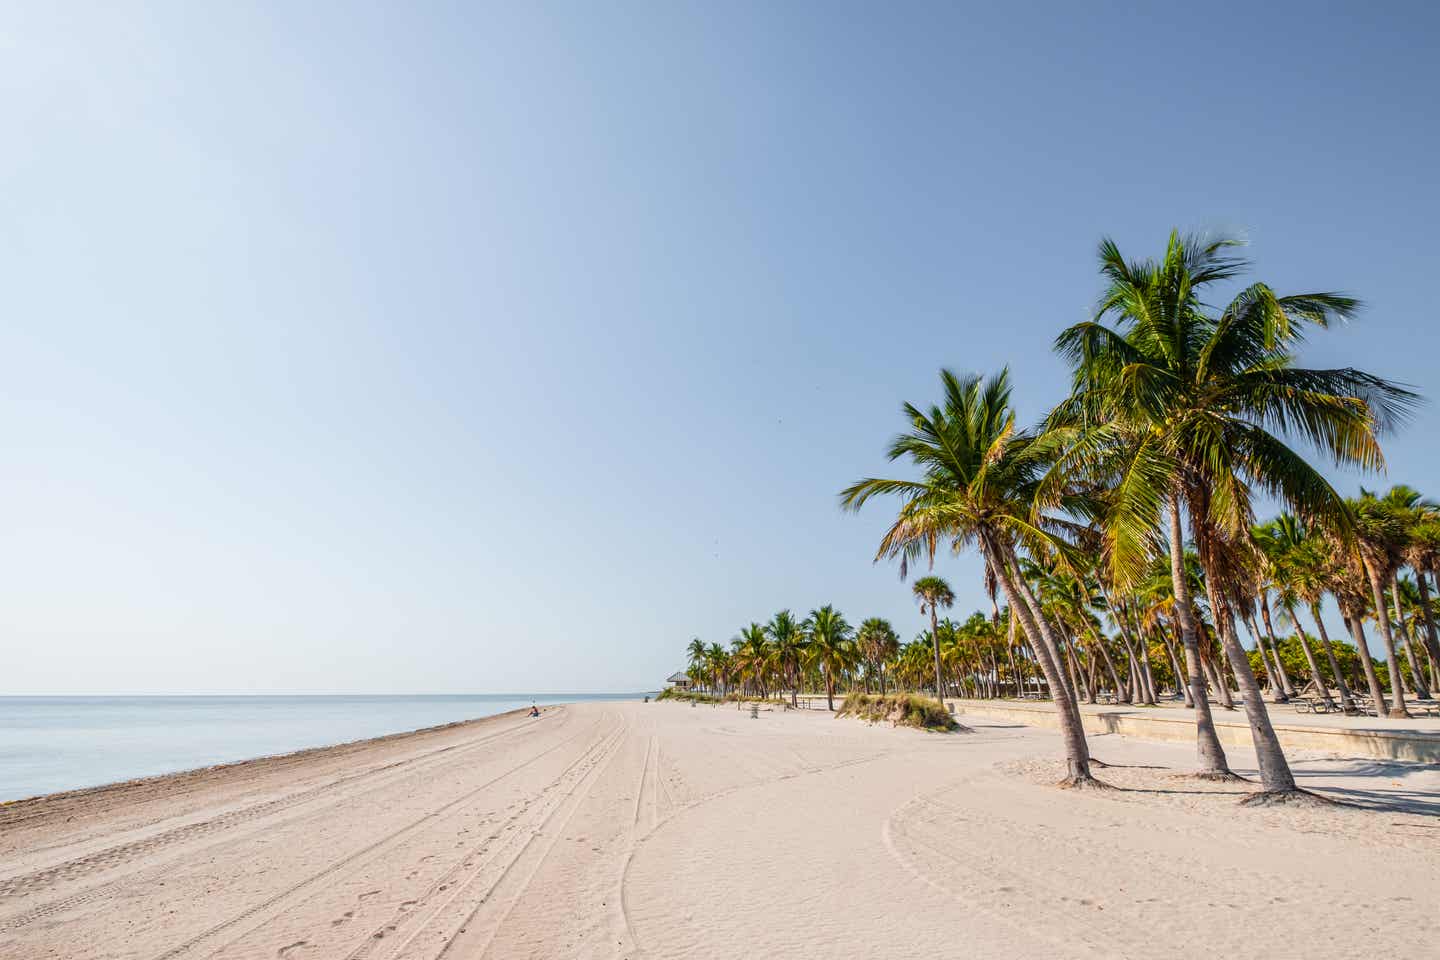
[677, 681]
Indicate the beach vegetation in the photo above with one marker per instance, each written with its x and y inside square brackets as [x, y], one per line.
[899, 710]
[1122, 553]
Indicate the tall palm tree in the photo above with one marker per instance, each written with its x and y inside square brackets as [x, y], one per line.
[787, 641]
[1185, 410]
[878, 643]
[751, 652]
[1423, 555]
[933, 593]
[831, 646]
[1283, 546]
[1303, 563]
[695, 658]
[978, 474]
[717, 662]
[1379, 541]
[1413, 511]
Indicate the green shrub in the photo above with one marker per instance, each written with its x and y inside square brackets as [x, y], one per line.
[671, 693]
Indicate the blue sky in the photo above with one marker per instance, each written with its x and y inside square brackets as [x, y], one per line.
[463, 347]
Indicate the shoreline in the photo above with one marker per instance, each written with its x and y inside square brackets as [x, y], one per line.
[622, 829]
[71, 745]
[304, 753]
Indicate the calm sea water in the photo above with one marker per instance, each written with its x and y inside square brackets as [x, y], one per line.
[49, 744]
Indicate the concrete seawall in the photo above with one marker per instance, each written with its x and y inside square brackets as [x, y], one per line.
[1349, 737]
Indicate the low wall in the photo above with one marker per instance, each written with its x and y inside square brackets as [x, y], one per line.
[1179, 726]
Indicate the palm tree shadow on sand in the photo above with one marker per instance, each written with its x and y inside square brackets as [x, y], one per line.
[1361, 792]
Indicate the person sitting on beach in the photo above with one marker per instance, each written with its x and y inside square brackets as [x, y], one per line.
[534, 710]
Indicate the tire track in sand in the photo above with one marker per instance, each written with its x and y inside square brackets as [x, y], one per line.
[460, 885]
[354, 859]
[123, 853]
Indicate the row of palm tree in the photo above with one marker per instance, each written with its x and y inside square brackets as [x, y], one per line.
[1178, 417]
[785, 656]
[1121, 529]
[1111, 647]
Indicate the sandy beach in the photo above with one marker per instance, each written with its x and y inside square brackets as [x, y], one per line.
[664, 830]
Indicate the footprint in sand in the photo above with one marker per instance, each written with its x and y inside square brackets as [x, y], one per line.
[286, 952]
[345, 918]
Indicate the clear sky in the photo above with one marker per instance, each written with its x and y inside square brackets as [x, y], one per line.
[504, 347]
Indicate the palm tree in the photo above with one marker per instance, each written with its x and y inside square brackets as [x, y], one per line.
[1306, 566]
[695, 658]
[831, 647]
[787, 641]
[1185, 411]
[1283, 545]
[751, 653]
[1413, 511]
[719, 667]
[933, 593]
[978, 474]
[1423, 555]
[878, 643]
[1379, 540]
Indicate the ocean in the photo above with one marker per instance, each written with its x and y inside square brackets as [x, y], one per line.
[49, 744]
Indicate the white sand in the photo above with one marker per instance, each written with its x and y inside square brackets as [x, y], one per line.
[661, 830]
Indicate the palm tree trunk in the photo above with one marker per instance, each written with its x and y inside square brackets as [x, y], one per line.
[1357, 632]
[1346, 701]
[1320, 685]
[1212, 675]
[1219, 659]
[1210, 650]
[1415, 673]
[1120, 693]
[1275, 775]
[1432, 644]
[1072, 730]
[1382, 616]
[1014, 664]
[935, 642]
[1285, 683]
[1210, 754]
[1181, 686]
[1078, 686]
[1147, 676]
[1277, 694]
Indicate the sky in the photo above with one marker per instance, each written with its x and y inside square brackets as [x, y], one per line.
[353, 347]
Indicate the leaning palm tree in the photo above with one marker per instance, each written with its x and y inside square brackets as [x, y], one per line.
[1412, 510]
[976, 486]
[1185, 409]
[933, 593]
[1379, 543]
[878, 643]
[1283, 548]
[1423, 555]
[831, 646]
[1310, 571]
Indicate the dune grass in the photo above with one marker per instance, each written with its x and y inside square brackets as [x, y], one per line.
[901, 710]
